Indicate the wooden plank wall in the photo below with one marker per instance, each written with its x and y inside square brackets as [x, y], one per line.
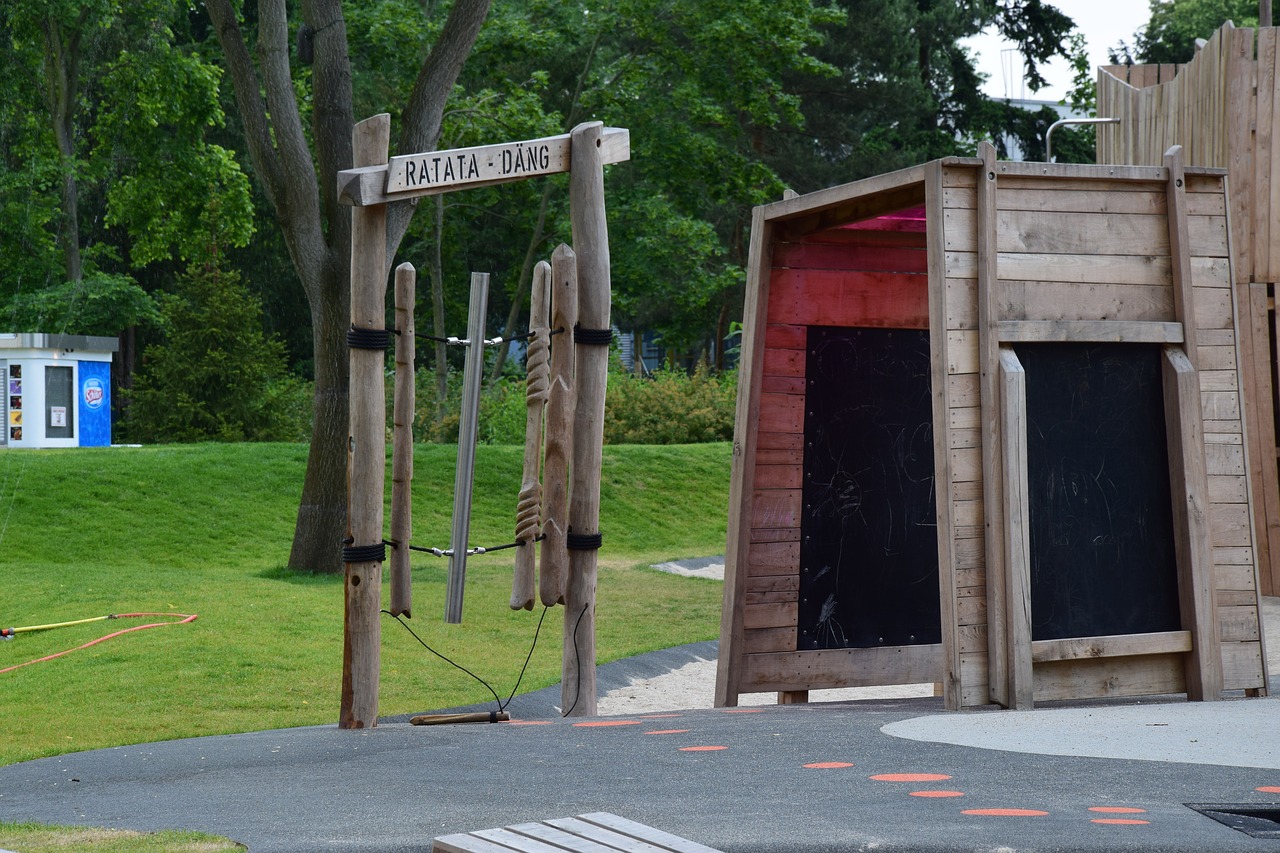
[1223, 108]
[1089, 250]
[836, 277]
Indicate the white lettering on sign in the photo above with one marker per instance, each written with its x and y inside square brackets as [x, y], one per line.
[438, 169]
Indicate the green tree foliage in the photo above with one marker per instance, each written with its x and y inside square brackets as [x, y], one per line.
[214, 375]
[107, 164]
[1170, 35]
[907, 90]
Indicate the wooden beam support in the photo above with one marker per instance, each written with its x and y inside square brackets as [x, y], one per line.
[1190, 492]
[1180, 250]
[591, 245]
[1020, 690]
[402, 445]
[367, 444]
[1089, 331]
[730, 664]
[993, 456]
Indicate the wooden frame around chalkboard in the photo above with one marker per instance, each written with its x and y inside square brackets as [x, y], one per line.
[984, 255]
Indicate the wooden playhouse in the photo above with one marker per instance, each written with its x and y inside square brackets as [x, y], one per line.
[989, 436]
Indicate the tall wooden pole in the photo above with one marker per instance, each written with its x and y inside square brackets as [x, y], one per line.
[591, 245]
[366, 445]
[402, 445]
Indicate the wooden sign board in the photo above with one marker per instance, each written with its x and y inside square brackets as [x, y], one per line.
[433, 172]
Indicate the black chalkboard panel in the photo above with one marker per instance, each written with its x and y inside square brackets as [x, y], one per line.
[869, 548]
[1102, 553]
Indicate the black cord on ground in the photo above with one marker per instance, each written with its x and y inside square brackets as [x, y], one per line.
[502, 706]
[577, 660]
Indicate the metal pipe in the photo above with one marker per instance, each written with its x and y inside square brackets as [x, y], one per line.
[1048, 134]
[472, 373]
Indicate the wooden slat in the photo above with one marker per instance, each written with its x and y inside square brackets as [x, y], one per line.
[849, 298]
[1189, 488]
[624, 842]
[1110, 677]
[648, 834]
[1083, 331]
[1122, 645]
[1076, 301]
[762, 640]
[560, 838]
[1057, 232]
[1016, 577]
[948, 391]
[746, 432]
[851, 256]
[838, 668]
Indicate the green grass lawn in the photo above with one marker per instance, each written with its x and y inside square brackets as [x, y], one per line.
[206, 529]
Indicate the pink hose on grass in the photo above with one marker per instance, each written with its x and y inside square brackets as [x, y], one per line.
[185, 618]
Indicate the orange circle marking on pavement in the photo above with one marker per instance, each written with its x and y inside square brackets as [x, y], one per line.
[910, 777]
[1005, 812]
[937, 793]
[1269, 789]
[668, 732]
[702, 748]
[1119, 821]
[1116, 810]
[828, 765]
[595, 724]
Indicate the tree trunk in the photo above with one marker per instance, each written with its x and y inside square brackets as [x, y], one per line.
[322, 511]
[317, 230]
[61, 80]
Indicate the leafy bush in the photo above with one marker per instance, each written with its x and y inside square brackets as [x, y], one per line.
[672, 407]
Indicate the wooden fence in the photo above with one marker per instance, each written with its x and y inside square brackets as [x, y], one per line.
[1223, 108]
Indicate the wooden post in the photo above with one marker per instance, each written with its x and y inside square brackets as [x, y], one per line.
[402, 445]
[472, 373]
[1188, 482]
[591, 245]
[366, 445]
[993, 483]
[560, 400]
[529, 505]
[1017, 545]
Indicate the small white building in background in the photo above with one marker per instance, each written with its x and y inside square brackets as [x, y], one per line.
[58, 390]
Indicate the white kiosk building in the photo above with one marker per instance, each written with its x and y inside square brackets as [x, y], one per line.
[58, 390]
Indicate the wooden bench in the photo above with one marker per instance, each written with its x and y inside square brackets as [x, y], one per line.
[597, 832]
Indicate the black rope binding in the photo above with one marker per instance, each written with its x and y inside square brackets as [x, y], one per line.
[365, 553]
[584, 541]
[358, 338]
[592, 337]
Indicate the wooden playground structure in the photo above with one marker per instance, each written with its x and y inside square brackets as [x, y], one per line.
[989, 435]
[566, 382]
[1010, 427]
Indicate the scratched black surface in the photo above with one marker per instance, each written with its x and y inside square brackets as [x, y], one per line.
[1102, 554]
[868, 550]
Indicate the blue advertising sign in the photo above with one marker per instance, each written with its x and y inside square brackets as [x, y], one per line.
[95, 404]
